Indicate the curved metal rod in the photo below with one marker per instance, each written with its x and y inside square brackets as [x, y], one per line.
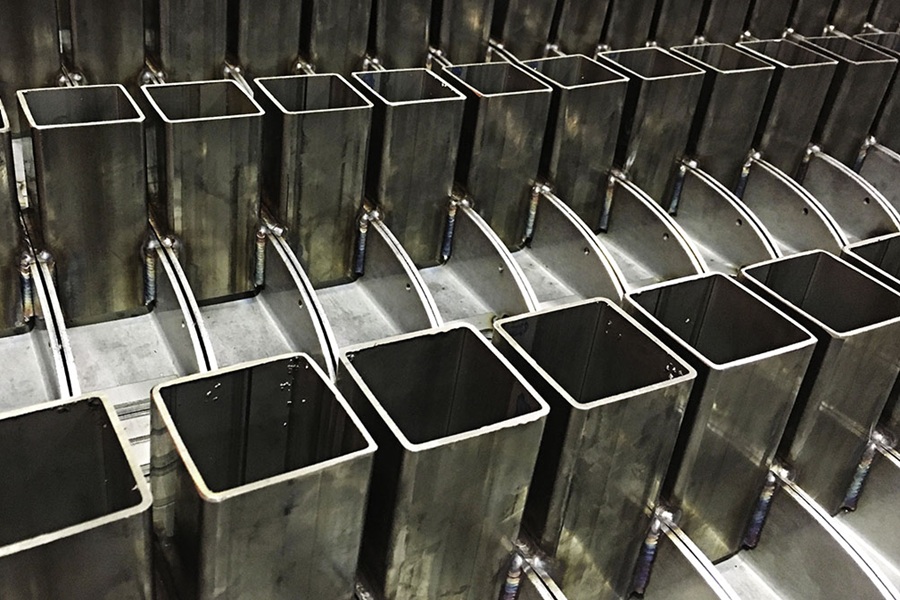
[60, 348]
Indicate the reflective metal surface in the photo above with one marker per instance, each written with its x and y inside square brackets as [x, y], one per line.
[76, 507]
[465, 28]
[500, 147]
[185, 51]
[663, 91]
[848, 115]
[606, 380]
[857, 322]
[402, 32]
[88, 151]
[802, 78]
[582, 131]
[335, 34]
[677, 22]
[458, 437]
[209, 136]
[313, 187]
[523, 26]
[581, 25]
[750, 359]
[416, 128]
[107, 45]
[267, 36]
[628, 23]
[259, 465]
[725, 20]
[887, 128]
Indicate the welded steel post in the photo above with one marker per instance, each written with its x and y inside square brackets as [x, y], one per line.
[402, 30]
[259, 475]
[500, 147]
[606, 379]
[857, 322]
[312, 184]
[76, 507]
[266, 36]
[850, 16]
[582, 131]
[191, 38]
[886, 15]
[677, 22]
[209, 146]
[628, 23]
[11, 308]
[90, 189]
[857, 90]
[750, 358]
[768, 19]
[726, 20]
[810, 17]
[107, 43]
[29, 50]
[465, 29]
[523, 26]
[663, 91]
[887, 125]
[458, 432]
[580, 25]
[412, 156]
[335, 34]
[801, 79]
[734, 90]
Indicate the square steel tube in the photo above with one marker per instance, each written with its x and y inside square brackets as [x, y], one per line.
[500, 147]
[415, 139]
[857, 322]
[458, 431]
[750, 359]
[259, 475]
[75, 506]
[725, 20]
[581, 25]
[402, 32]
[191, 37]
[209, 137]
[312, 181]
[796, 97]
[857, 90]
[523, 26]
[465, 29]
[267, 36]
[663, 91]
[617, 396]
[108, 45]
[880, 258]
[582, 131]
[731, 102]
[10, 296]
[335, 33]
[90, 188]
[887, 126]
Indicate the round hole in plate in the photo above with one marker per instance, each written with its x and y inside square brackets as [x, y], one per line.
[587, 251]
[500, 269]
[666, 236]
[408, 287]
[739, 222]
[805, 211]
[300, 302]
[866, 200]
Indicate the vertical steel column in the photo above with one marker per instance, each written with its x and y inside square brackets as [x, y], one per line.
[259, 475]
[768, 19]
[677, 22]
[857, 322]
[582, 131]
[29, 50]
[850, 16]
[402, 30]
[313, 184]
[11, 307]
[76, 506]
[108, 42]
[209, 137]
[750, 359]
[416, 129]
[266, 35]
[726, 20]
[663, 91]
[857, 90]
[887, 125]
[810, 17]
[628, 23]
[458, 434]
[90, 188]
[500, 147]
[796, 97]
[335, 34]
[523, 26]
[581, 25]
[607, 380]
[465, 29]
[731, 102]
[191, 38]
